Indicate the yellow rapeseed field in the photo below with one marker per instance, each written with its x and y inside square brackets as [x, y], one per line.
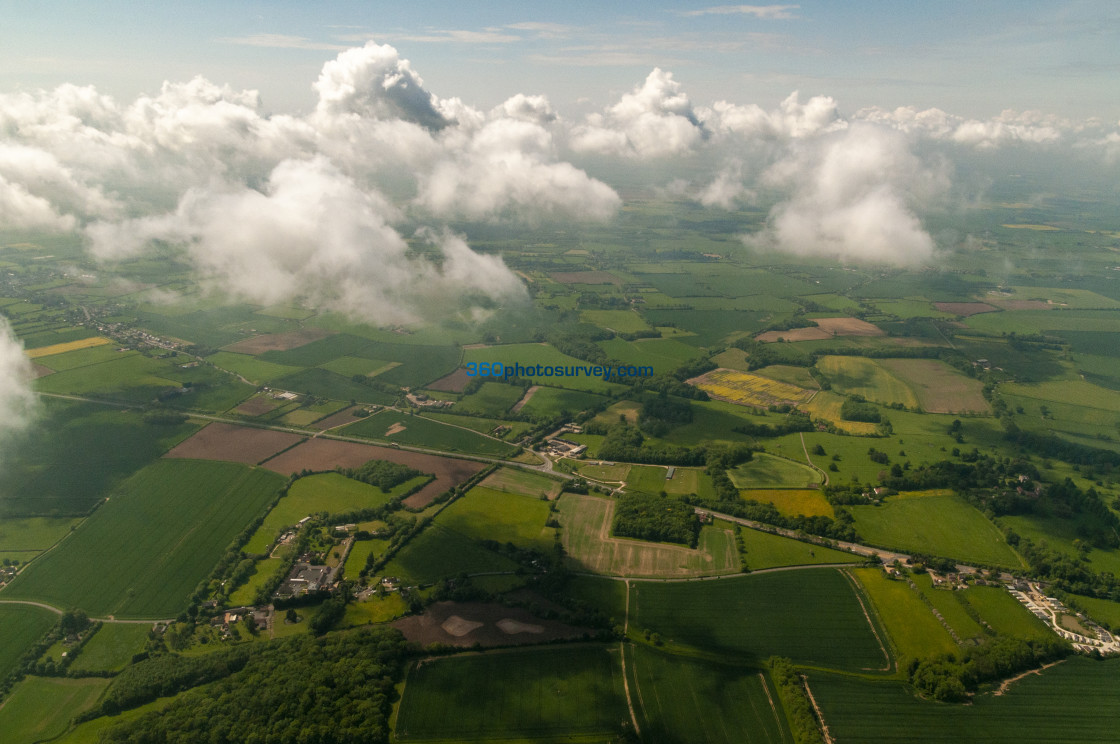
[85, 343]
[750, 389]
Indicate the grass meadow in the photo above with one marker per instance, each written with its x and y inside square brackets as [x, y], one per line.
[112, 647]
[425, 432]
[768, 471]
[1004, 613]
[438, 553]
[911, 625]
[40, 708]
[487, 514]
[23, 626]
[769, 551]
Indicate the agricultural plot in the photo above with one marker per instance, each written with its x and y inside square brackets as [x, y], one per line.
[951, 606]
[481, 425]
[586, 536]
[350, 366]
[852, 375]
[612, 473]
[112, 647]
[486, 514]
[82, 357]
[40, 708]
[812, 616]
[492, 399]
[652, 479]
[231, 443]
[809, 502]
[938, 387]
[697, 702]
[1004, 613]
[33, 534]
[84, 343]
[768, 471]
[549, 402]
[277, 341]
[540, 693]
[249, 367]
[438, 553]
[619, 321]
[936, 523]
[1101, 610]
[544, 355]
[663, 354]
[826, 406]
[131, 377]
[764, 550]
[144, 551]
[913, 629]
[525, 482]
[23, 626]
[1075, 701]
[798, 376]
[360, 552]
[322, 383]
[745, 388]
[394, 426]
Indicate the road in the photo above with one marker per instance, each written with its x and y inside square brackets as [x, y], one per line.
[109, 619]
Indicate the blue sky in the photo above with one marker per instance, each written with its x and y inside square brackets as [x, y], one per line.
[973, 59]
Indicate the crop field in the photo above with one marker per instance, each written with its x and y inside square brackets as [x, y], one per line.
[1075, 701]
[394, 426]
[810, 615]
[586, 522]
[768, 471]
[112, 647]
[542, 354]
[325, 454]
[614, 473]
[492, 399]
[937, 523]
[826, 406]
[438, 553]
[913, 629]
[132, 377]
[548, 402]
[517, 695]
[619, 321]
[750, 389]
[323, 383]
[250, 367]
[486, 514]
[859, 376]
[82, 357]
[84, 343]
[33, 534]
[938, 387]
[481, 425]
[143, 552]
[809, 502]
[277, 341]
[697, 702]
[40, 708]
[663, 354]
[231, 443]
[771, 551]
[359, 552]
[527, 482]
[651, 479]
[23, 626]
[798, 376]
[1004, 613]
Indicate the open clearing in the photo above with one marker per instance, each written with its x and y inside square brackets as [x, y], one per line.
[810, 615]
[586, 536]
[551, 693]
[934, 522]
[327, 454]
[143, 552]
[230, 443]
[745, 388]
[1004, 613]
[40, 708]
[277, 341]
[938, 387]
[688, 701]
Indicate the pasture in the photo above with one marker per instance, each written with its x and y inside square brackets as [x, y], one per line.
[526, 482]
[586, 537]
[492, 399]
[438, 553]
[129, 376]
[486, 514]
[663, 354]
[937, 523]
[81, 357]
[481, 425]
[689, 701]
[547, 694]
[145, 550]
[810, 615]
[255, 370]
[749, 389]
[23, 626]
[652, 479]
[768, 471]
[112, 647]
[394, 426]
[913, 629]
[765, 550]
[852, 375]
[40, 708]
[951, 606]
[33, 534]
[359, 552]
[548, 402]
[1075, 701]
[619, 321]
[1004, 613]
[938, 387]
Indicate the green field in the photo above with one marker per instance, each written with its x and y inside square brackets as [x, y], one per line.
[359, 551]
[1101, 610]
[619, 321]
[143, 552]
[130, 377]
[1075, 701]
[540, 354]
[526, 482]
[492, 399]
[23, 626]
[1059, 535]
[486, 514]
[651, 479]
[541, 694]
[809, 615]
[695, 702]
[936, 523]
[33, 534]
[40, 708]
[768, 471]
[249, 367]
[1004, 613]
[663, 354]
[859, 376]
[548, 402]
[913, 629]
[425, 432]
[438, 553]
[951, 606]
[482, 425]
[770, 551]
[112, 647]
[263, 570]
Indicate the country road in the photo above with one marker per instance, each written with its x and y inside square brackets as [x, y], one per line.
[109, 619]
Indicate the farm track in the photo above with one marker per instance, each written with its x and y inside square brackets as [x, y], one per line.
[109, 619]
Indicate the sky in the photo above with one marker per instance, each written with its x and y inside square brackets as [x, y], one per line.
[974, 59]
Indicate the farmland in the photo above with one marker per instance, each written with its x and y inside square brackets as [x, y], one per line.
[242, 444]
[514, 695]
[913, 630]
[808, 615]
[484, 513]
[23, 626]
[768, 471]
[791, 502]
[394, 426]
[826, 406]
[40, 708]
[438, 553]
[112, 647]
[938, 387]
[764, 550]
[1004, 613]
[866, 377]
[749, 389]
[184, 512]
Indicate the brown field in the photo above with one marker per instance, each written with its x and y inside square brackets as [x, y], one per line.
[328, 454]
[231, 443]
[278, 341]
[585, 277]
[467, 623]
[256, 406]
[965, 309]
[455, 382]
[749, 389]
[938, 387]
[824, 328]
[809, 502]
[345, 416]
[813, 333]
[84, 343]
[41, 371]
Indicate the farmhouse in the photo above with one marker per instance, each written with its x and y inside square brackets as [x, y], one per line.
[304, 578]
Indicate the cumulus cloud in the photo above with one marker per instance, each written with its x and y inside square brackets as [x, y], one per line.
[727, 189]
[654, 120]
[17, 401]
[313, 235]
[792, 120]
[1010, 127]
[852, 197]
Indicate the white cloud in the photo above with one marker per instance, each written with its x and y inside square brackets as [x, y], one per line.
[766, 12]
[792, 119]
[853, 196]
[1010, 127]
[727, 189]
[17, 401]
